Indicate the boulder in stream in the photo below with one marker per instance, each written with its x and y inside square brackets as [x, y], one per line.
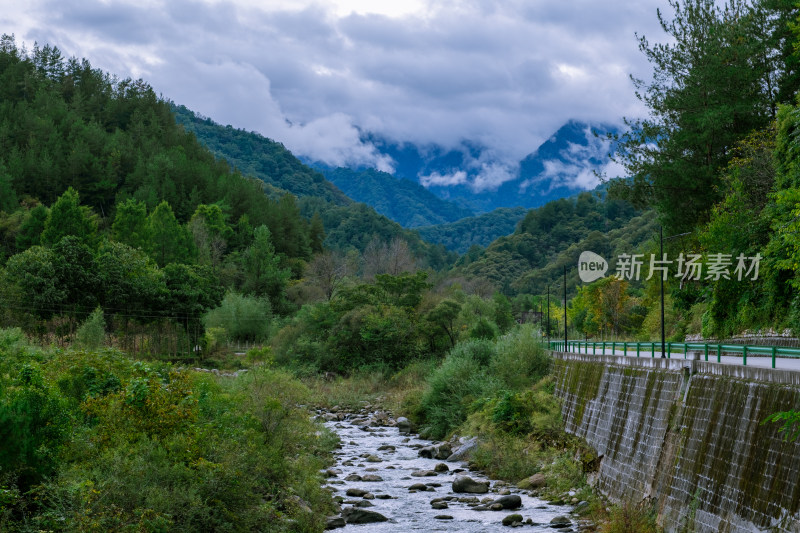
[333, 522]
[354, 515]
[469, 485]
[512, 501]
[512, 519]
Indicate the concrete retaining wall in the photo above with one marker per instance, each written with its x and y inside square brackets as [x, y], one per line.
[688, 435]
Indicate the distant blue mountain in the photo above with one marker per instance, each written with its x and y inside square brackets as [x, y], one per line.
[560, 167]
[406, 202]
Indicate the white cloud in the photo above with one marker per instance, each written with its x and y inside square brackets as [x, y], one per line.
[313, 74]
[577, 166]
[436, 179]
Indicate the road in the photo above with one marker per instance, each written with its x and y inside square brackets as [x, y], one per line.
[781, 363]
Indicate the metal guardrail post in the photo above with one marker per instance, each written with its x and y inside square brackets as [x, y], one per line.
[652, 349]
[719, 353]
[744, 355]
[706, 346]
[774, 350]
[669, 350]
[594, 348]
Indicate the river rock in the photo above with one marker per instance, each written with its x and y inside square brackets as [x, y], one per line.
[427, 452]
[404, 425]
[443, 451]
[463, 452]
[354, 515]
[560, 521]
[364, 503]
[371, 477]
[439, 505]
[418, 486]
[373, 459]
[512, 501]
[536, 481]
[469, 485]
[441, 467]
[423, 473]
[511, 519]
[443, 517]
[353, 477]
[333, 522]
[356, 493]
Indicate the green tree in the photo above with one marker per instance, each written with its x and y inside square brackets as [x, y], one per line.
[30, 232]
[34, 285]
[245, 318]
[130, 223]
[8, 197]
[190, 292]
[68, 217]
[443, 318]
[709, 89]
[168, 240]
[92, 333]
[263, 275]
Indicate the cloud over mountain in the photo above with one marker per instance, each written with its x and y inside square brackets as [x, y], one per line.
[318, 75]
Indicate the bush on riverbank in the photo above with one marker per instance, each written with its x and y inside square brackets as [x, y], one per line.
[98, 441]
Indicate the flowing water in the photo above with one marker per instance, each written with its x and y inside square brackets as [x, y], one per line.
[412, 511]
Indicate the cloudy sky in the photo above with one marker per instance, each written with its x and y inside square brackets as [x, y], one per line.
[313, 74]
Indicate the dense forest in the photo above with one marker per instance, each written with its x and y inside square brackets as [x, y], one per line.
[404, 201]
[479, 230]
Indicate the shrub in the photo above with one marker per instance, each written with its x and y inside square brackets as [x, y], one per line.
[92, 333]
[452, 388]
[244, 318]
[520, 359]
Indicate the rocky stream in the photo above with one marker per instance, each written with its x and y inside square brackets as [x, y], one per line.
[388, 479]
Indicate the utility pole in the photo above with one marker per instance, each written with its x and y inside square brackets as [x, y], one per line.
[565, 308]
[663, 344]
[548, 315]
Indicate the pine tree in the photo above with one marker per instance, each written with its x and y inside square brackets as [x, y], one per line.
[708, 91]
[67, 217]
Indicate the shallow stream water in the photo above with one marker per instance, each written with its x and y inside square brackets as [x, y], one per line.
[412, 511]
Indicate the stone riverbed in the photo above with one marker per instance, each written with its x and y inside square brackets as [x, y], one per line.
[408, 484]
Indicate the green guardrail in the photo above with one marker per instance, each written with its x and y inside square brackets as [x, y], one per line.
[675, 348]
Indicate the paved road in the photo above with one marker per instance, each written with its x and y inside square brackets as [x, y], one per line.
[781, 363]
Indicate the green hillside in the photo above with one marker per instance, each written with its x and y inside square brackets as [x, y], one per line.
[404, 201]
[478, 230]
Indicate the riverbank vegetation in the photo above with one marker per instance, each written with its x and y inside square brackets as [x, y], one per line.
[96, 440]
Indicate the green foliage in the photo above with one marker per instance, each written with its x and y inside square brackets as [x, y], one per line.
[791, 423]
[404, 201]
[478, 230]
[451, 390]
[68, 218]
[32, 227]
[263, 275]
[520, 359]
[34, 425]
[712, 85]
[92, 333]
[168, 241]
[552, 236]
[130, 224]
[241, 317]
[131, 446]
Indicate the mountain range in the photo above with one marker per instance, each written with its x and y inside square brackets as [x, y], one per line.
[472, 179]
